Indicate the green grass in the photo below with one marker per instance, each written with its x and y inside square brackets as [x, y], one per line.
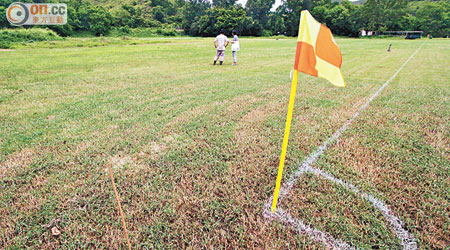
[195, 147]
[80, 42]
[45, 38]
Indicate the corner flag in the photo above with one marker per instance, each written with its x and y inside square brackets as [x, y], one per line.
[317, 55]
[317, 52]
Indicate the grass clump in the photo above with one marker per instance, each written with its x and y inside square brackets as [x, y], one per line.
[9, 37]
[144, 32]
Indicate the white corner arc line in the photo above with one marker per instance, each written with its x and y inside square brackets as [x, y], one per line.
[407, 240]
[316, 154]
[286, 218]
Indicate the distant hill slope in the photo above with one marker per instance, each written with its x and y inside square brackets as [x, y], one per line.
[114, 4]
[360, 2]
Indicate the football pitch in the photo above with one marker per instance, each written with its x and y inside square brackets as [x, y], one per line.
[194, 148]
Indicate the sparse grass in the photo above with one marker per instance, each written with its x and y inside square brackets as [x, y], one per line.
[341, 213]
[89, 42]
[195, 148]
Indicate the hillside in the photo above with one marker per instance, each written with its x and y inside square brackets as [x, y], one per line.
[360, 2]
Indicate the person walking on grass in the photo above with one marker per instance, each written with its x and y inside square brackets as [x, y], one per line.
[221, 42]
[234, 47]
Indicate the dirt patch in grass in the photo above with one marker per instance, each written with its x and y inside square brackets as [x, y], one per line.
[239, 104]
[250, 141]
[18, 160]
[250, 175]
[220, 196]
[157, 149]
[188, 115]
[438, 136]
[117, 162]
[24, 203]
[39, 195]
[367, 162]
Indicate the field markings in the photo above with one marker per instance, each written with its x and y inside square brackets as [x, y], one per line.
[407, 240]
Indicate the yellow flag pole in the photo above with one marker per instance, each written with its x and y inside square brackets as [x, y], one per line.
[286, 139]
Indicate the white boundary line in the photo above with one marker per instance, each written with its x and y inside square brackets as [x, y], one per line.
[407, 240]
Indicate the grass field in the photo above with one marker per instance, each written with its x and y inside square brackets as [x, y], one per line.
[195, 147]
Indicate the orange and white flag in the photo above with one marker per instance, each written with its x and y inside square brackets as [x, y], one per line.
[317, 55]
[317, 52]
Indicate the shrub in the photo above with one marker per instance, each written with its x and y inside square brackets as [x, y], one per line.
[266, 33]
[143, 32]
[168, 31]
[5, 45]
[10, 36]
[133, 32]
[124, 30]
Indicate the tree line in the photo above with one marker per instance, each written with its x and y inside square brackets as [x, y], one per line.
[256, 18]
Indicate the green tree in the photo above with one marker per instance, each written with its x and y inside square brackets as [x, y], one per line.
[95, 18]
[137, 15]
[4, 4]
[159, 13]
[122, 17]
[308, 4]
[3, 20]
[100, 21]
[343, 19]
[276, 24]
[290, 11]
[260, 10]
[230, 19]
[409, 22]
[434, 19]
[223, 3]
[191, 12]
[73, 23]
[382, 15]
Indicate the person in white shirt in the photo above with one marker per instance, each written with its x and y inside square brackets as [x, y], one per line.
[234, 47]
[221, 42]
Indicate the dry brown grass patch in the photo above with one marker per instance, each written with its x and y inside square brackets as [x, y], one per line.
[20, 159]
